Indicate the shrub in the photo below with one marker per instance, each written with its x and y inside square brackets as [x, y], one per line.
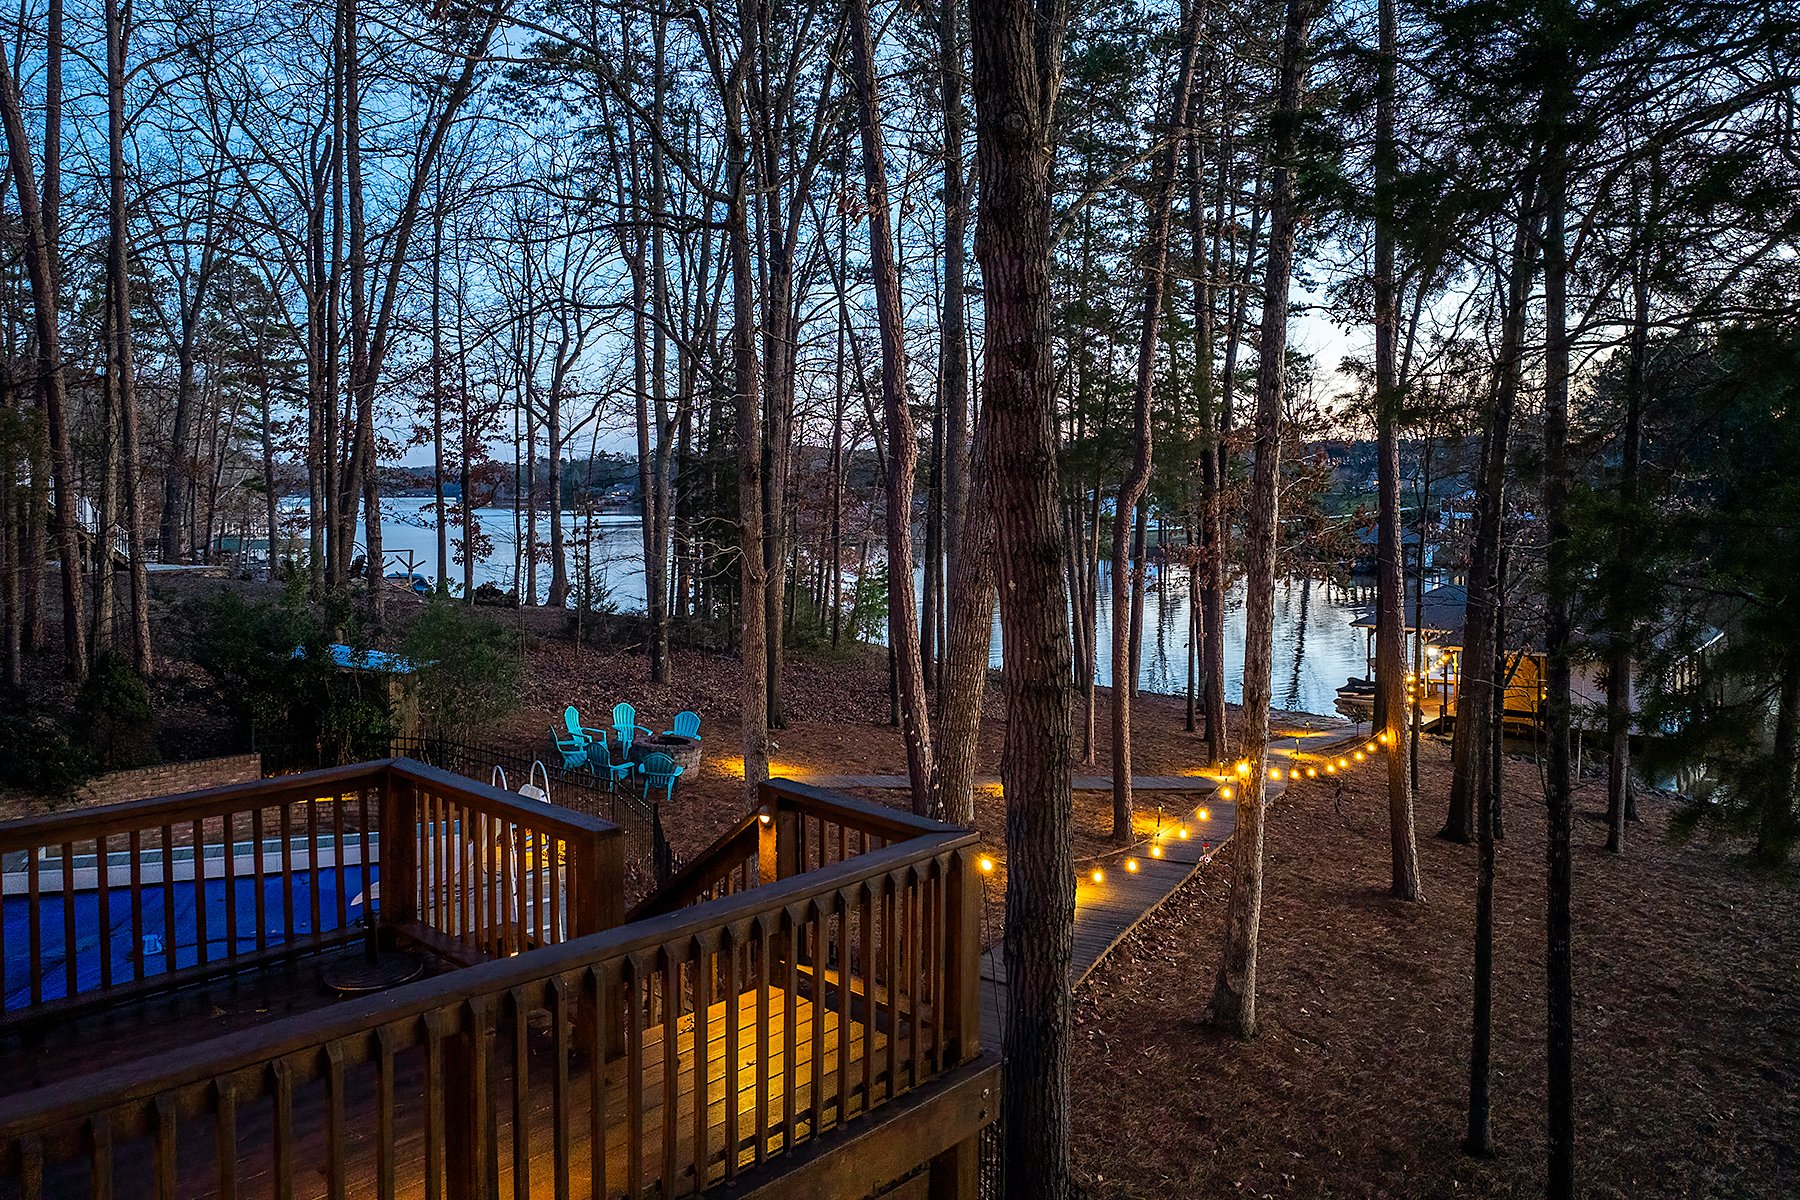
[113, 716]
[468, 669]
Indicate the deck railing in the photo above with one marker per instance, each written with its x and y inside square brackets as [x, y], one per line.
[658, 1058]
[105, 903]
[796, 827]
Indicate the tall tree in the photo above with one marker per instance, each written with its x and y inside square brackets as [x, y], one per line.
[1127, 600]
[1234, 989]
[1390, 604]
[903, 449]
[52, 387]
[1018, 46]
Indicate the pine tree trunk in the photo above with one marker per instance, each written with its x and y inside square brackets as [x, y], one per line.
[1234, 990]
[1017, 66]
[963, 686]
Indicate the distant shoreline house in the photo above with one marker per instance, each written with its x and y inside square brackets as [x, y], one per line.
[1441, 625]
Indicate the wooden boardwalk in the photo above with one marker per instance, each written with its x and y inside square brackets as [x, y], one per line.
[1081, 783]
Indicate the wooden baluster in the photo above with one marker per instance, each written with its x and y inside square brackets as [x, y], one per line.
[71, 957]
[197, 835]
[166, 1146]
[703, 980]
[259, 872]
[560, 1020]
[734, 990]
[339, 870]
[364, 858]
[762, 1039]
[843, 842]
[168, 895]
[558, 877]
[225, 1151]
[31, 1162]
[520, 1011]
[231, 900]
[100, 1160]
[671, 1039]
[384, 1107]
[845, 921]
[472, 1167]
[821, 958]
[961, 1015]
[636, 997]
[287, 870]
[335, 1148]
[871, 900]
[790, 945]
[139, 967]
[312, 860]
[890, 946]
[914, 924]
[599, 989]
[103, 896]
[437, 1027]
[283, 1163]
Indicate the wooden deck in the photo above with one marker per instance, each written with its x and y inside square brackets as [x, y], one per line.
[529, 1118]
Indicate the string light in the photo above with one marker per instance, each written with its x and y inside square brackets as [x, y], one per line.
[1098, 876]
[1225, 793]
[1359, 756]
[1274, 772]
[1330, 769]
[1183, 833]
[1313, 772]
[1205, 815]
[1131, 864]
[1243, 769]
[1370, 747]
[987, 865]
[1156, 852]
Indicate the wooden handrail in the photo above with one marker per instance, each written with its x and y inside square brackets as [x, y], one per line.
[868, 816]
[704, 873]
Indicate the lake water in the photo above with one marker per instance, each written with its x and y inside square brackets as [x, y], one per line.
[1316, 648]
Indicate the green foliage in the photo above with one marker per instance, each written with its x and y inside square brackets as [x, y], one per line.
[271, 670]
[468, 668]
[38, 755]
[113, 716]
[1730, 533]
[869, 604]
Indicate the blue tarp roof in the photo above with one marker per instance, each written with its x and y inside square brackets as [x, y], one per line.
[352, 659]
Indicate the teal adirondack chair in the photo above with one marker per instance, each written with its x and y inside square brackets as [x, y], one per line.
[600, 762]
[659, 771]
[574, 750]
[687, 724]
[626, 728]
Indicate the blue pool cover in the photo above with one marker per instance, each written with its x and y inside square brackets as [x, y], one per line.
[150, 958]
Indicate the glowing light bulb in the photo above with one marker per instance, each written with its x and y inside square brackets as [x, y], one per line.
[1184, 833]
[1330, 769]
[1359, 756]
[1312, 772]
[1370, 747]
[1205, 815]
[1294, 774]
[987, 865]
[1343, 764]
[1243, 768]
[1225, 793]
[1098, 876]
[1274, 772]
[1156, 852]
[1131, 864]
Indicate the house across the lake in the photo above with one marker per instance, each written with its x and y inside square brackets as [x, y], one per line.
[1438, 622]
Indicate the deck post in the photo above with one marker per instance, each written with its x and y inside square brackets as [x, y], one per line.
[962, 958]
[399, 858]
[778, 842]
[955, 1174]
